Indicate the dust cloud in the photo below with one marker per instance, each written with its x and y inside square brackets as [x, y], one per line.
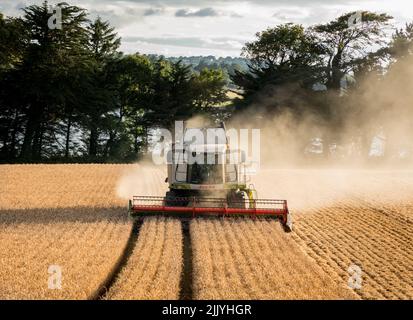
[370, 147]
[367, 125]
[142, 179]
[294, 164]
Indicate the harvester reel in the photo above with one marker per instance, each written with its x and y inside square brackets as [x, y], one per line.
[202, 206]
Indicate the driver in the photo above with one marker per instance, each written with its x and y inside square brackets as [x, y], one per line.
[196, 175]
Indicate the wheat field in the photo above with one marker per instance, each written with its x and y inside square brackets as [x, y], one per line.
[154, 269]
[74, 217]
[59, 186]
[247, 259]
[63, 215]
[378, 242]
[85, 244]
[359, 218]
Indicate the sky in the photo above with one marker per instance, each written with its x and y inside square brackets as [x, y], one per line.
[212, 27]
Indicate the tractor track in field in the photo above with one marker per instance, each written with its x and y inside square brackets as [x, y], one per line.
[121, 262]
[186, 283]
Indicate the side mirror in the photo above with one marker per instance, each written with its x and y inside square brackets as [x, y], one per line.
[169, 157]
[243, 156]
[166, 180]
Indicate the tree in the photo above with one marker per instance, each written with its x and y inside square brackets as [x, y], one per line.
[103, 44]
[210, 89]
[49, 57]
[133, 77]
[280, 56]
[346, 45]
[176, 93]
[103, 40]
[13, 42]
[286, 45]
[402, 42]
[171, 94]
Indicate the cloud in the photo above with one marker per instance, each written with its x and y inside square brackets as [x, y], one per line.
[236, 15]
[231, 23]
[153, 11]
[204, 12]
[289, 14]
[9, 8]
[118, 17]
[216, 2]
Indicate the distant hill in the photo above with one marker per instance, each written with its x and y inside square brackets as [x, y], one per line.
[197, 63]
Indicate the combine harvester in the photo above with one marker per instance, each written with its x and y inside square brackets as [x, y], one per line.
[201, 187]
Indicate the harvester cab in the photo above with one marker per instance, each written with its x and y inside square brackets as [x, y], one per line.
[203, 168]
[206, 177]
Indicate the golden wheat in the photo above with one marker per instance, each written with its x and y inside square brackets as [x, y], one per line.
[85, 244]
[60, 186]
[246, 259]
[353, 218]
[74, 216]
[379, 242]
[154, 269]
[64, 215]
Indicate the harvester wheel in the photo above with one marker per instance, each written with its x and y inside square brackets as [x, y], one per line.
[170, 199]
[237, 200]
[173, 200]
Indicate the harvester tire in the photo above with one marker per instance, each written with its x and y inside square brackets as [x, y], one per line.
[173, 200]
[237, 200]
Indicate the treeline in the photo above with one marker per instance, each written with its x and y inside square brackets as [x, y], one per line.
[198, 63]
[343, 82]
[69, 94]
